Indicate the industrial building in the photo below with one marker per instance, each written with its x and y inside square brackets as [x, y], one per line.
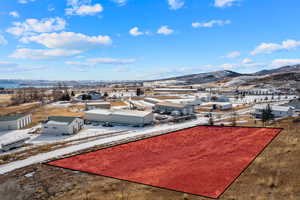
[173, 108]
[14, 122]
[191, 101]
[277, 111]
[175, 90]
[123, 117]
[153, 100]
[62, 125]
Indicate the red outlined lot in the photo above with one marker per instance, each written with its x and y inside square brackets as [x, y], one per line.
[202, 160]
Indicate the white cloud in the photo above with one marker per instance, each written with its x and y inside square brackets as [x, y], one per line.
[290, 44]
[227, 66]
[43, 54]
[4, 64]
[51, 8]
[97, 61]
[31, 26]
[89, 10]
[233, 54]
[82, 8]
[121, 69]
[267, 48]
[10, 67]
[62, 44]
[225, 3]
[68, 40]
[3, 41]
[284, 62]
[14, 14]
[135, 31]
[247, 61]
[211, 23]
[165, 30]
[175, 4]
[120, 2]
[25, 1]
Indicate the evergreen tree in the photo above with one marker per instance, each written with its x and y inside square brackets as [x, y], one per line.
[267, 114]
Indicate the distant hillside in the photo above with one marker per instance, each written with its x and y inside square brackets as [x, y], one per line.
[293, 68]
[231, 78]
[205, 77]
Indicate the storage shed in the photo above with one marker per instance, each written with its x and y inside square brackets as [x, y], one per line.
[14, 122]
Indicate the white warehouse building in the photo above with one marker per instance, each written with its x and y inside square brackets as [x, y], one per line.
[169, 108]
[14, 122]
[62, 125]
[277, 111]
[124, 117]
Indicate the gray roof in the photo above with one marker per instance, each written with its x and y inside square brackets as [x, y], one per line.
[62, 119]
[133, 113]
[12, 117]
[295, 103]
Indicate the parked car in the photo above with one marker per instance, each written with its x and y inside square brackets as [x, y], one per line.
[161, 117]
[107, 124]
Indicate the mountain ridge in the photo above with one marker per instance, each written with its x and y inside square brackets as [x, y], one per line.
[200, 78]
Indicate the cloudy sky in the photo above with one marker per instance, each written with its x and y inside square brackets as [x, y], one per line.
[144, 39]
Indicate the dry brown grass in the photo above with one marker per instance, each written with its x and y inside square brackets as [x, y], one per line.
[23, 108]
[274, 175]
[42, 113]
[5, 99]
[118, 103]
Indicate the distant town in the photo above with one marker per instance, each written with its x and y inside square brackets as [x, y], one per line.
[37, 113]
[42, 120]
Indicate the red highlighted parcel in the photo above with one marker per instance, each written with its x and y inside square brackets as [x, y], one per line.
[202, 160]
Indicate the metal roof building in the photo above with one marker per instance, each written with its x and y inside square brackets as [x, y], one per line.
[14, 122]
[62, 125]
[168, 108]
[126, 117]
[277, 111]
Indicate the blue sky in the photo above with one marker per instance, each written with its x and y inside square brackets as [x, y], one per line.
[145, 39]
